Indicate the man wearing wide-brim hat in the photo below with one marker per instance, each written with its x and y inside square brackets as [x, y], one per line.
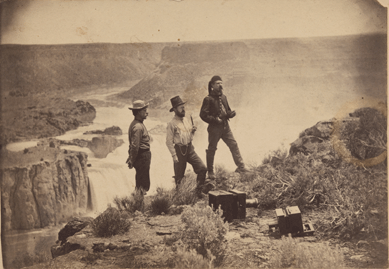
[139, 155]
[180, 132]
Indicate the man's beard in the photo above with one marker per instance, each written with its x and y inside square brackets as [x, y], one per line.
[218, 91]
[181, 114]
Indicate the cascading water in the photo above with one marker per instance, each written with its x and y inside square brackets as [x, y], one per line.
[110, 177]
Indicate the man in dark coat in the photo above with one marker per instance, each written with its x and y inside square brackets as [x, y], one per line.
[216, 112]
[139, 155]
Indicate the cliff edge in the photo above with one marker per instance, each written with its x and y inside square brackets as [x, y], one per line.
[36, 194]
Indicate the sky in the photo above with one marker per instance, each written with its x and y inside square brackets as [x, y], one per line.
[115, 21]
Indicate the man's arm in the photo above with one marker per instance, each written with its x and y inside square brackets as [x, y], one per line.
[134, 143]
[230, 114]
[205, 112]
[169, 141]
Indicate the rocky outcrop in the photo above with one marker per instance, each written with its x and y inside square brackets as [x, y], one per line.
[306, 143]
[26, 118]
[72, 227]
[44, 193]
[360, 137]
[101, 146]
[114, 130]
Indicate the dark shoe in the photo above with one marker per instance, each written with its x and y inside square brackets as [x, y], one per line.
[208, 187]
[211, 175]
[242, 170]
[199, 194]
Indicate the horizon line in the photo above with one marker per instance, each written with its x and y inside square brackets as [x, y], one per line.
[199, 41]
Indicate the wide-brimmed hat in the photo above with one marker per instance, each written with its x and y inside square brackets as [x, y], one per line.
[176, 101]
[138, 104]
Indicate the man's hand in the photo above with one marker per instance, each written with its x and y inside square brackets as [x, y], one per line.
[232, 114]
[219, 120]
[194, 128]
[128, 162]
[175, 159]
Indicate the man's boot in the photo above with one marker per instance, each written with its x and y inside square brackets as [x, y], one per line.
[210, 158]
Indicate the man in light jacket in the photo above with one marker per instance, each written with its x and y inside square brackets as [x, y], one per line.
[180, 132]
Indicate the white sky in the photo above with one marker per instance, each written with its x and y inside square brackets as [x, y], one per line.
[67, 21]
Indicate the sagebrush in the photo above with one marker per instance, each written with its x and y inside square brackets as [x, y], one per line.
[189, 259]
[111, 222]
[185, 193]
[161, 202]
[132, 203]
[204, 231]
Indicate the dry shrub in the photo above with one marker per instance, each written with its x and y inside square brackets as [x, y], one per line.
[185, 193]
[161, 202]
[291, 253]
[111, 222]
[132, 203]
[204, 231]
[189, 259]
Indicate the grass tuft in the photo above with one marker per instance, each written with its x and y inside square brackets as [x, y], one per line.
[291, 253]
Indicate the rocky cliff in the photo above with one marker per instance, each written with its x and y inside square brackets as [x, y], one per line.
[266, 65]
[29, 69]
[186, 69]
[47, 192]
[25, 118]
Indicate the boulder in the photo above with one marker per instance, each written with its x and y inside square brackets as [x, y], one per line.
[114, 130]
[102, 146]
[72, 227]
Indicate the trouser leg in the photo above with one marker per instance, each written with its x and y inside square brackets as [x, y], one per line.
[180, 167]
[142, 171]
[229, 139]
[214, 135]
[198, 166]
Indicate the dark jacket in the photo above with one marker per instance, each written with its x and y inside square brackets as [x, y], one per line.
[210, 109]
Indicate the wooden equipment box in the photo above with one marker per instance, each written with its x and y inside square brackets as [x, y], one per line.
[225, 200]
[239, 206]
[233, 203]
[289, 220]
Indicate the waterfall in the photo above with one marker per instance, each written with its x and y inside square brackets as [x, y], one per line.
[106, 184]
[110, 177]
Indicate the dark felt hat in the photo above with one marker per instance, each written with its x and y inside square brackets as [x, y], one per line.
[176, 101]
[215, 78]
[138, 104]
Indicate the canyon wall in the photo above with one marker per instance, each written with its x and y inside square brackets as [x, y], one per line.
[45, 193]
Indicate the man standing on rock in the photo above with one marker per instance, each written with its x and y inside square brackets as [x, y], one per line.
[139, 155]
[216, 112]
[180, 132]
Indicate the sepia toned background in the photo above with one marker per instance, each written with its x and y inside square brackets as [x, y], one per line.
[285, 66]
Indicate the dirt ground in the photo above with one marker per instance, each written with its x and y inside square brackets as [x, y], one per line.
[252, 245]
